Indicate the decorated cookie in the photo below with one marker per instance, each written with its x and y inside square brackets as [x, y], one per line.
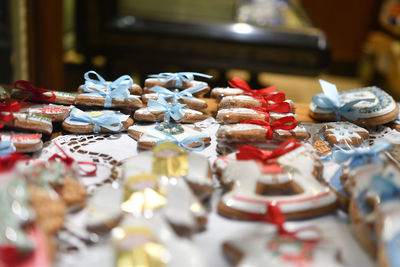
[396, 122]
[238, 115]
[374, 185]
[23, 121]
[367, 106]
[169, 161]
[336, 135]
[96, 121]
[220, 92]
[187, 136]
[26, 90]
[22, 142]
[274, 102]
[151, 114]
[287, 176]
[171, 197]
[54, 112]
[261, 244]
[192, 103]
[140, 240]
[179, 80]
[99, 93]
[261, 130]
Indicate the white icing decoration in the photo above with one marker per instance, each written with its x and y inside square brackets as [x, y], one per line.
[32, 117]
[227, 90]
[61, 94]
[21, 138]
[238, 97]
[47, 109]
[148, 110]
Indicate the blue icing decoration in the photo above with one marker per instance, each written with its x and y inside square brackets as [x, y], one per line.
[341, 133]
[346, 127]
[337, 128]
[393, 248]
[351, 132]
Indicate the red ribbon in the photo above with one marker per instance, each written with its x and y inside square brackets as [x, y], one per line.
[285, 123]
[37, 93]
[248, 152]
[69, 160]
[239, 83]
[8, 162]
[6, 110]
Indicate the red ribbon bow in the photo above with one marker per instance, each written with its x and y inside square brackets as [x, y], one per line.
[8, 162]
[239, 83]
[285, 123]
[6, 110]
[37, 93]
[69, 160]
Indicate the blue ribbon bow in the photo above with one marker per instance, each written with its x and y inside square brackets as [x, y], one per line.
[118, 89]
[109, 121]
[385, 187]
[330, 100]
[164, 137]
[359, 156]
[174, 111]
[178, 77]
[185, 94]
[6, 147]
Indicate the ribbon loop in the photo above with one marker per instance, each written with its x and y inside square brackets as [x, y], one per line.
[240, 84]
[330, 100]
[185, 143]
[178, 77]
[285, 123]
[175, 111]
[38, 94]
[176, 96]
[6, 110]
[107, 121]
[385, 187]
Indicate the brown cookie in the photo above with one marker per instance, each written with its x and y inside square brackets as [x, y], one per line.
[344, 134]
[89, 100]
[23, 121]
[23, 142]
[220, 92]
[135, 89]
[321, 147]
[238, 115]
[62, 98]
[192, 103]
[151, 82]
[56, 113]
[151, 115]
[106, 121]
[245, 101]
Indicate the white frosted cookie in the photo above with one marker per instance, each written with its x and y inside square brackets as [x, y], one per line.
[54, 112]
[295, 189]
[220, 92]
[148, 114]
[23, 142]
[30, 122]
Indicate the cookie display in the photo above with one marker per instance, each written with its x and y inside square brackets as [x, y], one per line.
[30, 122]
[339, 135]
[261, 130]
[99, 93]
[21, 142]
[56, 113]
[367, 106]
[26, 90]
[188, 136]
[96, 121]
[275, 177]
[238, 115]
[178, 80]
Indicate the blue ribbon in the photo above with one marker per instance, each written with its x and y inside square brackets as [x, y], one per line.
[330, 100]
[385, 187]
[178, 77]
[118, 89]
[359, 156]
[6, 147]
[164, 137]
[174, 111]
[105, 120]
[185, 94]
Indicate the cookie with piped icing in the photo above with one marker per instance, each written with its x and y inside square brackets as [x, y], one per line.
[61, 98]
[220, 92]
[23, 142]
[147, 136]
[149, 114]
[238, 115]
[106, 121]
[56, 113]
[262, 246]
[344, 134]
[30, 122]
[291, 181]
[245, 101]
[379, 109]
[172, 84]
[190, 102]
[95, 100]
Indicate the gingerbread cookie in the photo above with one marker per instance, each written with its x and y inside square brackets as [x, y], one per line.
[99, 93]
[179, 80]
[22, 142]
[171, 197]
[191, 167]
[260, 130]
[367, 106]
[187, 136]
[23, 121]
[220, 92]
[238, 115]
[254, 184]
[185, 115]
[246, 101]
[192, 103]
[26, 90]
[56, 113]
[335, 135]
[96, 121]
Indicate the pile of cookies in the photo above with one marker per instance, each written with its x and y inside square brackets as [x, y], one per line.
[260, 168]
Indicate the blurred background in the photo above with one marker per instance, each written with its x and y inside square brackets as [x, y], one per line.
[287, 43]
